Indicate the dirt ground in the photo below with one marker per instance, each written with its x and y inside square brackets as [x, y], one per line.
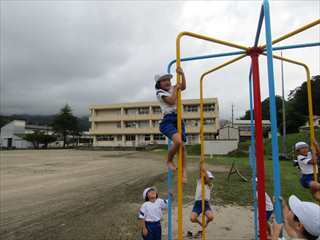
[84, 195]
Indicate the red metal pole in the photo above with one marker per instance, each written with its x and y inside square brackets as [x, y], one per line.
[259, 146]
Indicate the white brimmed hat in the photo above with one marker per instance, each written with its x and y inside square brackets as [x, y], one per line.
[210, 174]
[308, 214]
[161, 76]
[299, 145]
[145, 192]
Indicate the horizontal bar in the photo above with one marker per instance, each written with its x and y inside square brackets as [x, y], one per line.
[299, 30]
[204, 57]
[297, 46]
[315, 44]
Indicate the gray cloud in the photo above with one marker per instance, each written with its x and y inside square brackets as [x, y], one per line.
[85, 53]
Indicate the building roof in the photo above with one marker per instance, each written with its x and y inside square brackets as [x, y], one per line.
[148, 103]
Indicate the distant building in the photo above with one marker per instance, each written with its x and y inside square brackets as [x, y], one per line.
[228, 133]
[11, 135]
[137, 124]
[243, 127]
[316, 124]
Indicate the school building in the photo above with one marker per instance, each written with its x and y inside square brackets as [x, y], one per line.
[137, 124]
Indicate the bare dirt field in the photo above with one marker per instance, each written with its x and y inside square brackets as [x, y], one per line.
[84, 195]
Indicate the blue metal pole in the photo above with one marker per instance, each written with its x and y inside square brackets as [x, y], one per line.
[256, 41]
[253, 159]
[296, 46]
[273, 115]
[239, 52]
[169, 198]
[204, 57]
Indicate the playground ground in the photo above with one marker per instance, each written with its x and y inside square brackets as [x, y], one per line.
[71, 194]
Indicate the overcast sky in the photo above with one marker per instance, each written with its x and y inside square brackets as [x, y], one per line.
[100, 52]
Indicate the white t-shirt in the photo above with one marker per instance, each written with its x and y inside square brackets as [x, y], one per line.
[165, 108]
[207, 191]
[269, 204]
[152, 211]
[303, 163]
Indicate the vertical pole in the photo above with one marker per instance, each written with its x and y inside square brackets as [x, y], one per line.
[259, 147]
[253, 159]
[179, 111]
[169, 197]
[284, 147]
[273, 115]
[203, 237]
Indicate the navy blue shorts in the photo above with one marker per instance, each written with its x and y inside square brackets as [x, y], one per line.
[154, 231]
[269, 213]
[197, 207]
[168, 126]
[306, 179]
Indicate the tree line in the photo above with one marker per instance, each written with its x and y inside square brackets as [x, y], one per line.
[296, 107]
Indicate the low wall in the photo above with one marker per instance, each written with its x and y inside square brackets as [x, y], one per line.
[220, 147]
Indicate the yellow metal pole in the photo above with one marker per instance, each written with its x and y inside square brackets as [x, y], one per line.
[310, 106]
[301, 29]
[202, 158]
[210, 39]
[179, 112]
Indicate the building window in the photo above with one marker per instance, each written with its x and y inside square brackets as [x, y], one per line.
[119, 138]
[158, 137]
[105, 138]
[130, 137]
[209, 136]
[208, 108]
[143, 124]
[156, 110]
[147, 137]
[130, 124]
[192, 123]
[130, 111]
[118, 124]
[190, 108]
[143, 111]
[192, 138]
[209, 121]
[155, 123]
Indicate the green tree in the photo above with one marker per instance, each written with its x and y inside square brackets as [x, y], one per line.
[65, 123]
[38, 138]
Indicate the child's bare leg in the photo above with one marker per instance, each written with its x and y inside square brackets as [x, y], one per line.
[209, 215]
[176, 139]
[184, 170]
[194, 218]
[315, 190]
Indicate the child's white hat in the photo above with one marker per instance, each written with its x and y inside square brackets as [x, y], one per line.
[145, 192]
[299, 145]
[161, 76]
[210, 174]
[308, 214]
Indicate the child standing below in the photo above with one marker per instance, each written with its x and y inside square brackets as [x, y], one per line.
[150, 214]
[306, 159]
[167, 97]
[197, 207]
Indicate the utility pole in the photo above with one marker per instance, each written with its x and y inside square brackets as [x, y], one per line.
[232, 114]
[284, 148]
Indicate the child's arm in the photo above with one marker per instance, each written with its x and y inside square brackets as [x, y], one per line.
[143, 227]
[317, 147]
[172, 98]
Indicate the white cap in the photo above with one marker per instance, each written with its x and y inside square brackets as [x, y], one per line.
[144, 194]
[299, 145]
[161, 76]
[308, 214]
[209, 174]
